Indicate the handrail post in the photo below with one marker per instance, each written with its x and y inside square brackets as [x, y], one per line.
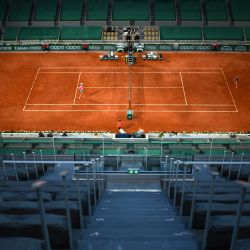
[161, 150]
[171, 175]
[178, 162]
[26, 167]
[37, 186]
[183, 188]
[98, 177]
[79, 198]
[94, 180]
[5, 173]
[146, 158]
[41, 154]
[67, 208]
[196, 176]
[230, 167]
[238, 215]
[103, 148]
[165, 174]
[54, 148]
[222, 167]
[241, 159]
[34, 159]
[117, 158]
[14, 165]
[102, 175]
[88, 189]
[207, 223]
[211, 148]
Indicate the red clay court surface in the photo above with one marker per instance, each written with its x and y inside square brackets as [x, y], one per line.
[184, 92]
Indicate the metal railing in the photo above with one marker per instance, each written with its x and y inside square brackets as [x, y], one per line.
[174, 178]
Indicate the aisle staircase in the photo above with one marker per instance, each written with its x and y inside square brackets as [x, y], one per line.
[136, 220]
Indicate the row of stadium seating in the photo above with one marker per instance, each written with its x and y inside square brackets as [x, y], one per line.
[174, 148]
[122, 10]
[95, 33]
[20, 218]
[212, 211]
[53, 33]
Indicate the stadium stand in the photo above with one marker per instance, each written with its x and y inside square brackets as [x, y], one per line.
[165, 10]
[3, 5]
[180, 33]
[38, 33]
[10, 33]
[113, 195]
[241, 10]
[71, 10]
[247, 33]
[130, 10]
[192, 197]
[190, 10]
[100, 13]
[20, 10]
[46, 10]
[81, 33]
[223, 33]
[216, 10]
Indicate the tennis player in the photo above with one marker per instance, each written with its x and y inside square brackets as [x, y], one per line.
[81, 90]
[236, 81]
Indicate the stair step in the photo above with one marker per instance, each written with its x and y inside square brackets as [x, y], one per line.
[135, 223]
[140, 213]
[135, 198]
[105, 211]
[126, 217]
[135, 220]
[131, 203]
[133, 194]
[129, 206]
[135, 245]
[147, 231]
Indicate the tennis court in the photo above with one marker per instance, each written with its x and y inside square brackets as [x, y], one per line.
[113, 88]
[187, 91]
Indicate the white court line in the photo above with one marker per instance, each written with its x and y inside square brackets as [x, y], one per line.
[127, 72]
[194, 105]
[93, 67]
[153, 87]
[134, 104]
[197, 72]
[77, 86]
[139, 111]
[62, 72]
[120, 67]
[37, 72]
[229, 89]
[184, 93]
[76, 104]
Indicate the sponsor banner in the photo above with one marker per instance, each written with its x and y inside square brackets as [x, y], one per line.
[5, 48]
[226, 48]
[166, 47]
[240, 48]
[58, 47]
[20, 47]
[150, 47]
[110, 47]
[62, 47]
[203, 47]
[104, 47]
